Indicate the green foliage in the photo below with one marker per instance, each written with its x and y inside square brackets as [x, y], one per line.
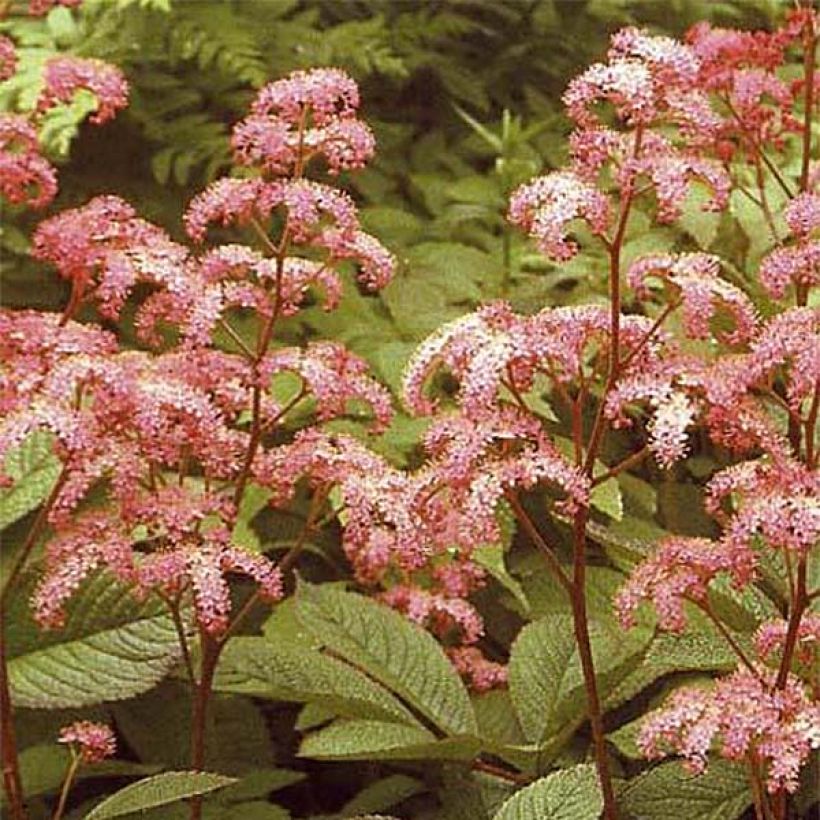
[33, 468]
[570, 794]
[388, 648]
[668, 791]
[168, 787]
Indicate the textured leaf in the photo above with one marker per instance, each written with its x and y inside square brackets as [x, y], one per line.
[375, 740]
[667, 654]
[111, 664]
[33, 468]
[390, 649]
[491, 557]
[237, 738]
[546, 678]
[383, 794]
[669, 792]
[43, 769]
[167, 787]
[569, 794]
[284, 671]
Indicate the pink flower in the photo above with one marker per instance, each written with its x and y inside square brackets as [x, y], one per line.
[25, 176]
[104, 249]
[334, 376]
[680, 570]
[96, 741]
[64, 76]
[545, 206]
[770, 638]
[744, 714]
[798, 264]
[445, 617]
[695, 277]
[8, 58]
[325, 93]
[226, 201]
[480, 674]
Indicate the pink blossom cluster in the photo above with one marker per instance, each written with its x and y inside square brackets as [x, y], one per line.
[104, 249]
[776, 501]
[26, 177]
[8, 58]
[305, 115]
[746, 717]
[95, 741]
[739, 69]
[63, 77]
[38, 8]
[798, 263]
[165, 436]
[770, 638]
[695, 278]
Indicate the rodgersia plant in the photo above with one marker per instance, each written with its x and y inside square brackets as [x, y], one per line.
[166, 443]
[654, 121]
[173, 437]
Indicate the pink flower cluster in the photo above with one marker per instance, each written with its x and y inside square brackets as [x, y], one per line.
[776, 501]
[39, 8]
[747, 717]
[26, 177]
[8, 58]
[798, 263]
[308, 114]
[95, 741]
[65, 76]
[164, 436]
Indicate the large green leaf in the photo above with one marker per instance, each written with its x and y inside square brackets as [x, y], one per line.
[669, 792]
[569, 794]
[33, 469]
[383, 794]
[168, 787]
[112, 664]
[387, 647]
[112, 647]
[375, 740]
[281, 670]
[546, 677]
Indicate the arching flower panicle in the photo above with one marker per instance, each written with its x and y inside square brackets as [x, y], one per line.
[742, 714]
[26, 177]
[64, 76]
[545, 207]
[696, 278]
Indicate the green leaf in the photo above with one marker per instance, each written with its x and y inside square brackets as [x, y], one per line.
[390, 649]
[669, 654]
[669, 792]
[96, 659]
[281, 670]
[43, 769]
[383, 794]
[375, 740]
[491, 557]
[253, 501]
[33, 469]
[546, 677]
[160, 790]
[569, 794]
[606, 498]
